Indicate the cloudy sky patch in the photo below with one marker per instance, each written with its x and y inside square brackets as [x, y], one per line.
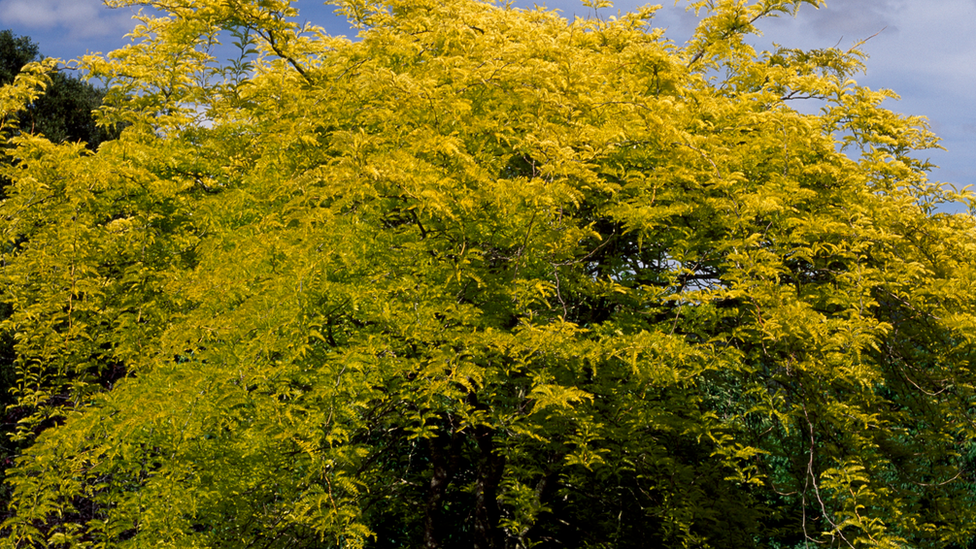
[76, 19]
[850, 21]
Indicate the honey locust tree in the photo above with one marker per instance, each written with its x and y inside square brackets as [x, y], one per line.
[485, 278]
[63, 113]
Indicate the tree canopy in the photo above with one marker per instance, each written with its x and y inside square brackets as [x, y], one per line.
[485, 278]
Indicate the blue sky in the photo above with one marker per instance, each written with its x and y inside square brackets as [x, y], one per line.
[926, 51]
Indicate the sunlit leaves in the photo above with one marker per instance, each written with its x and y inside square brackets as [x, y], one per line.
[485, 278]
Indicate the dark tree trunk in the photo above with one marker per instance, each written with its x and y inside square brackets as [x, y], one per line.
[442, 457]
[487, 535]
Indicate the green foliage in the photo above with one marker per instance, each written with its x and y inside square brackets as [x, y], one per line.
[485, 278]
[15, 52]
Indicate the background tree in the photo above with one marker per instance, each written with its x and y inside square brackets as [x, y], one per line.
[486, 278]
[65, 111]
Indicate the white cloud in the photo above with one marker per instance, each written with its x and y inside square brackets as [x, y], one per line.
[77, 18]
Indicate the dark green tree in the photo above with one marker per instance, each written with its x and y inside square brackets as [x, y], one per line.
[15, 52]
[64, 112]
